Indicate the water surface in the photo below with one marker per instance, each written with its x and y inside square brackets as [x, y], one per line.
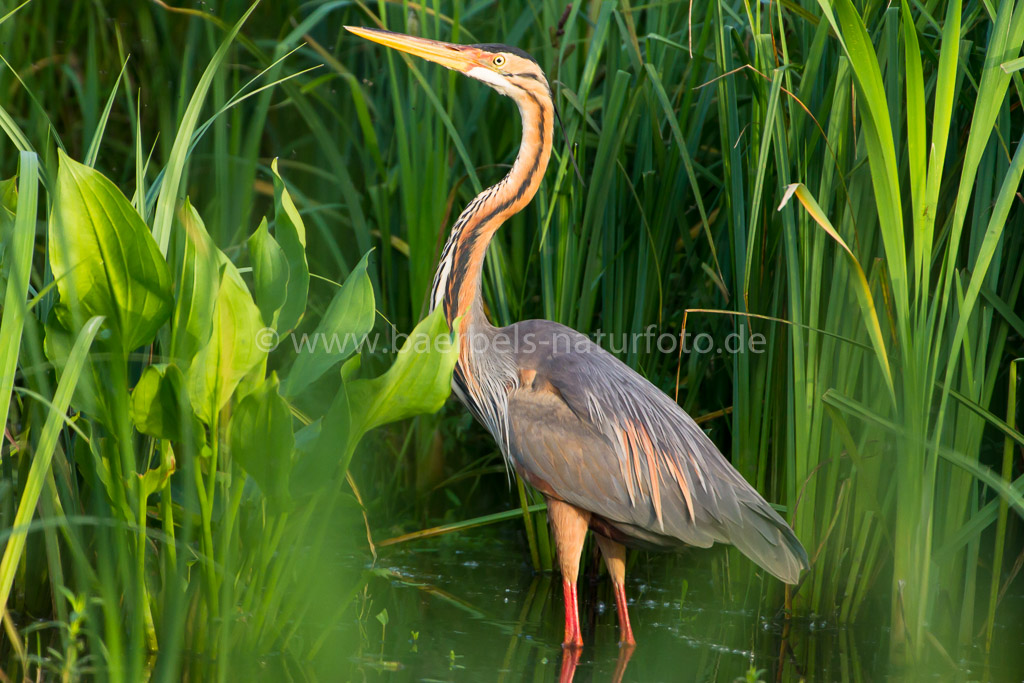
[470, 608]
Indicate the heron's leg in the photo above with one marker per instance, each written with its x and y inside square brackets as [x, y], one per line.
[615, 559]
[569, 525]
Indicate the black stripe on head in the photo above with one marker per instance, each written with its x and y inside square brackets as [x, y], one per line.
[498, 47]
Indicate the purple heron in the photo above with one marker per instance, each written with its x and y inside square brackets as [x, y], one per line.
[608, 450]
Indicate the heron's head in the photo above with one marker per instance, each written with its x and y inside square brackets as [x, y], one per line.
[507, 69]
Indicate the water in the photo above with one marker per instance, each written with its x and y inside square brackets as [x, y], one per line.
[470, 608]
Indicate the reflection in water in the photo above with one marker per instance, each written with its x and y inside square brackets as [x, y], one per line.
[571, 659]
[534, 605]
[460, 610]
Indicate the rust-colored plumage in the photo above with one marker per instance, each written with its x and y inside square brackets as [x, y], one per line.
[609, 451]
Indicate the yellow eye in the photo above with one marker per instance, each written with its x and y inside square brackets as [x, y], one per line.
[498, 61]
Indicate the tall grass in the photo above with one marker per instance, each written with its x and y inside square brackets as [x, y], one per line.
[937, 347]
[887, 287]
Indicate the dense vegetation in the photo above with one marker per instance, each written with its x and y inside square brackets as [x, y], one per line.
[188, 185]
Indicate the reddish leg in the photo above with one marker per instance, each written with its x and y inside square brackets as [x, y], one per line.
[625, 630]
[573, 637]
[569, 526]
[615, 559]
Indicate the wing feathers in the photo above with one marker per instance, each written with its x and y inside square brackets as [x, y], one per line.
[603, 438]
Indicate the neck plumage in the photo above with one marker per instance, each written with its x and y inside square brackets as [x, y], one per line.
[457, 282]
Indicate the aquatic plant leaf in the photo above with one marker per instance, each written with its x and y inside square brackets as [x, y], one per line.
[198, 280]
[291, 235]
[343, 328]
[157, 478]
[159, 406]
[232, 349]
[104, 260]
[260, 434]
[269, 272]
[330, 453]
[418, 382]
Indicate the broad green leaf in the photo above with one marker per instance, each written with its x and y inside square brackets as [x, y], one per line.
[305, 438]
[257, 373]
[346, 323]
[198, 282]
[330, 454]
[160, 408]
[418, 382]
[233, 349]
[350, 368]
[157, 478]
[261, 438]
[270, 274]
[43, 455]
[291, 235]
[18, 230]
[104, 260]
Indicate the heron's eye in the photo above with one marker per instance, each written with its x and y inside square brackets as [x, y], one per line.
[498, 61]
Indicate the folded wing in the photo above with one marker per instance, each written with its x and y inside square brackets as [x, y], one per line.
[587, 429]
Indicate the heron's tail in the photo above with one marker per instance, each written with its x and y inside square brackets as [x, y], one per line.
[765, 538]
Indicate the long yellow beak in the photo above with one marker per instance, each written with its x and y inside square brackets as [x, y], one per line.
[461, 58]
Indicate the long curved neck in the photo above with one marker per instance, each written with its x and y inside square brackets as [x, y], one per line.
[457, 282]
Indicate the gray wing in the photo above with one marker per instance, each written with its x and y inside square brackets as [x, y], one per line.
[587, 429]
